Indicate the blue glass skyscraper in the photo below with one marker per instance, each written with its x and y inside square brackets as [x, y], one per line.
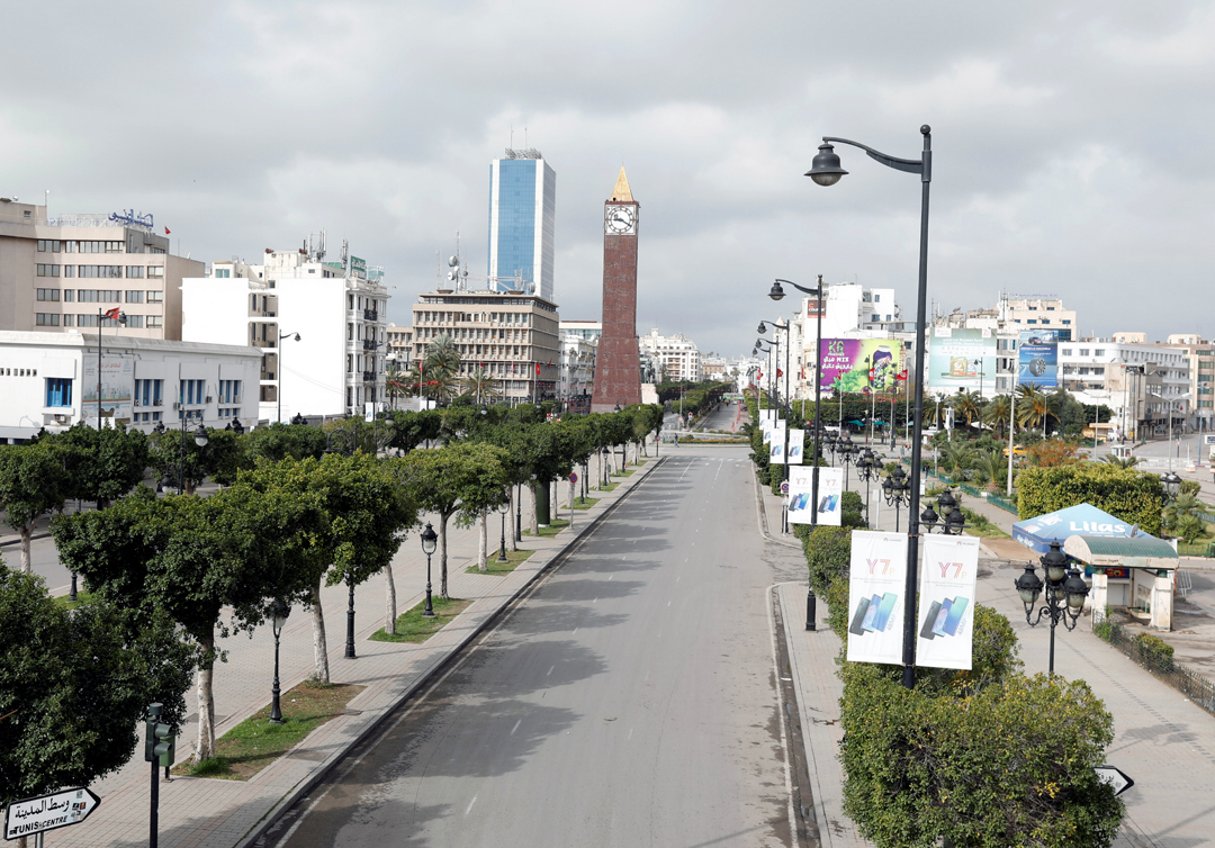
[522, 222]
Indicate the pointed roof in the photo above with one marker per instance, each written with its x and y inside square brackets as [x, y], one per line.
[622, 193]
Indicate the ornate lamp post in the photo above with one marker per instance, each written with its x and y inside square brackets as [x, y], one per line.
[847, 451]
[826, 171]
[279, 392]
[503, 509]
[350, 655]
[279, 611]
[429, 541]
[1172, 483]
[896, 491]
[953, 524]
[868, 468]
[1065, 594]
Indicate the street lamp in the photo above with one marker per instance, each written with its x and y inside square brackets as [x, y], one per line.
[825, 170]
[979, 362]
[279, 388]
[1172, 483]
[763, 328]
[350, 655]
[896, 491]
[868, 468]
[200, 439]
[278, 618]
[503, 509]
[952, 524]
[847, 450]
[429, 541]
[1065, 594]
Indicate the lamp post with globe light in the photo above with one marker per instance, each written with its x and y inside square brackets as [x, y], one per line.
[1065, 594]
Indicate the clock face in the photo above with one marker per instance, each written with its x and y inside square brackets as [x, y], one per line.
[619, 220]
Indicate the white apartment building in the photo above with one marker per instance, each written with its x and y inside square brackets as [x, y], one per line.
[320, 326]
[676, 358]
[50, 379]
[1201, 353]
[1139, 381]
[64, 273]
[1036, 312]
[512, 336]
[400, 347]
[849, 307]
[577, 375]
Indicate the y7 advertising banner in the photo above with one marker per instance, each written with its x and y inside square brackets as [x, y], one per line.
[945, 619]
[797, 446]
[802, 506]
[876, 597]
[776, 448]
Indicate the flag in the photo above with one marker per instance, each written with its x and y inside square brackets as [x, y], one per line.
[537, 369]
[113, 314]
[902, 375]
[779, 373]
[167, 231]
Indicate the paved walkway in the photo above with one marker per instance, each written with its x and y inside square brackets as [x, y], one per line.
[1162, 740]
[207, 813]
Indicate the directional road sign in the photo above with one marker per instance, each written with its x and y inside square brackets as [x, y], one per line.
[1115, 778]
[47, 812]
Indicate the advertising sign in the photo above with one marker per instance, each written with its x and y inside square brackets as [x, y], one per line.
[117, 386]
[776, 447]
[875, 597]
[945, 619]
[801, 485]
[961, 359]
[797, 445]
[1038, 358]
[801, 504]
[854, 365]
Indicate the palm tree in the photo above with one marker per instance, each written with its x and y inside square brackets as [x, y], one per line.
[995, 415]
[1033, 407]
[481, 386]
[398, 385]
[441, 368]
[968, 405]
[1121, 462]
[990, 467]
[956, 459]
[1181, 518]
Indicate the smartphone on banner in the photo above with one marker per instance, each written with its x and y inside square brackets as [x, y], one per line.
[858, 618]
[883, 620]
[930, 621]
[942, 614]
[949, 627]
[871, 613]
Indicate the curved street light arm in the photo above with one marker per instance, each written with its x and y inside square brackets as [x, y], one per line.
[803, 289]
[922, 166]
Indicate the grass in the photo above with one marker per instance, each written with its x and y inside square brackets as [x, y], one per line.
[585, 503]
[82, 597]
[978, 525]
[607, 487]
[256, 742]
[555, 526]
[492, 566]
[623, 472]
[412, 626]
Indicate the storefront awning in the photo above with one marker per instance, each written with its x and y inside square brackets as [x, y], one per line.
[1142, 551]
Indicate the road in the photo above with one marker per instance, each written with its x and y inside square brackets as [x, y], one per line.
[628, 701]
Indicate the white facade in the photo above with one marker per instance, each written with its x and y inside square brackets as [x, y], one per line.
[1140, 382]
[336, 367]
[51, 380]
[577, 377]
[676, 358]
[1036, 312]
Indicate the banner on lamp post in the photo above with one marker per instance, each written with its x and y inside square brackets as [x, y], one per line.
[945, 619]
[797, 445]
[801, 484]
[776, 450]
[830, 496]
[875, 597]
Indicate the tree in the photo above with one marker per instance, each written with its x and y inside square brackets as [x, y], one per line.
[996, 413]
[1050, 452]
[361, 509]
[73, 687]
[1133, 496]
[1033, 408]
[969, 407]
[441, 369]
[397, 384]
[1182, 519]
[32, 484]
[441, 480]
[282, 441]
[480, 386]
[102, 466]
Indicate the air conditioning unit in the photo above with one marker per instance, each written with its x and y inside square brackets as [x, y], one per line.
[208, 398]
[176, 405]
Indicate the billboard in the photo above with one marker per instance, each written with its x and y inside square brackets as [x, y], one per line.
[828, 510]
[854, 365]
[961, 360]
[875, 597]
[117, 385]
[1038, 357]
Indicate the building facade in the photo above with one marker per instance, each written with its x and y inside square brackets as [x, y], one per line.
[54, 380]
[320, 326]
[522, 224]
[63, 274]
[676, 358]
[512, 337]
[1145, 385]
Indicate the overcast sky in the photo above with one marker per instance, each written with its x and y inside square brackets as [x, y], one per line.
[1072, 141]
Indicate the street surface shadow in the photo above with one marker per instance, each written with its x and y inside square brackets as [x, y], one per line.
[588, 589]
[541, 619]
[504, 668]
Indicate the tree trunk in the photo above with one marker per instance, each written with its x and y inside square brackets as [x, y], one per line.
[27, 533]
[390, 602]
[443, 516]
[206, 701]
[320, 646]
[482, 541]
[536, 507]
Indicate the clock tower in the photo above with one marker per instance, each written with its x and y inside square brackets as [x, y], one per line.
[617, 362]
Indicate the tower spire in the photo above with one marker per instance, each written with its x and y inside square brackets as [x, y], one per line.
[622, 193]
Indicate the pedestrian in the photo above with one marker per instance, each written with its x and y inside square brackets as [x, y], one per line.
[676, 440]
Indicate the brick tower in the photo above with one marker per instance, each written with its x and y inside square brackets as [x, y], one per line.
[617, 363]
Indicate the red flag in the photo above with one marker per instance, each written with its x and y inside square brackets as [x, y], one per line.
[113, 314]
[779, 373]
[167, 231]
[537, 369]
[902, 375]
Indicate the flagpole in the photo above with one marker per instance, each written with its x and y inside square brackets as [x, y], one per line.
[99, 320]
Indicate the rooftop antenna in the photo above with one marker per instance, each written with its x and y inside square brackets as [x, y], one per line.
[345, 255]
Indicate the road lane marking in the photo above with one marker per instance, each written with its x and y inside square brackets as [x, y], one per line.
[550, 670]
[516, 727]
[470, 805]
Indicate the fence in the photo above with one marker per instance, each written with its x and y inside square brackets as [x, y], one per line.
[990, 497]
[1160, 662]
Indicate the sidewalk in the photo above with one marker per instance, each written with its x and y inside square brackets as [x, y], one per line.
[1162, 740]
[209, 813]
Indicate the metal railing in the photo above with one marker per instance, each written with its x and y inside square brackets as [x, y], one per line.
[1194, 686]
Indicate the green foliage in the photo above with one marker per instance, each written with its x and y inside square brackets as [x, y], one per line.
[283, 441]
[1153, 652]
[852, 510]
[981, 770]
[101, 466]
[33, 482]
[1182, 517]
[828, 554]
[1132, 496]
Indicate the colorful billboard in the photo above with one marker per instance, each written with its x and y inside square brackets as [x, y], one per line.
[854, 365]
[1038, 358]
[961, 360]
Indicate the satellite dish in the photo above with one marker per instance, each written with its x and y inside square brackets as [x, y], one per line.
[454, 262]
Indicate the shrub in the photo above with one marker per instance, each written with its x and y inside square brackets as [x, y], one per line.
[1153, 652]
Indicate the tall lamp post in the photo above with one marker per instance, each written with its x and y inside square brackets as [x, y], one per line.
[763, 328]
[868, 467]
[503, 509]
[825, 170]
[896, 491]
[281, 372]
[279, 611]
[429, 541]
[350, 655]
[979, 362]
[1065, 594]
[777, 293]
[847, 450]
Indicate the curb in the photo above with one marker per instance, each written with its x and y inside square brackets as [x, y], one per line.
[428, 676]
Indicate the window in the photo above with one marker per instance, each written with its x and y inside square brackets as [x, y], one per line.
[156, 297]
[134, 296]
[58, 392]
[46, 319]
[149, 392]
[135, 321]
[135, 272]
[69, 270]
[48, 294]
[69, 320]
[222, 273]
[156, 271]
[154, 321]
[46, 270]
[229, 391]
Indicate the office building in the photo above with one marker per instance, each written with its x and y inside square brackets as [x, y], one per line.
[522, 224]
[320, 325]
[64, 273]
[676, 358]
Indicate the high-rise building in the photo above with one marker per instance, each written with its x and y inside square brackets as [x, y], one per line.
[617, 363]
[522, 223]
[65, 273]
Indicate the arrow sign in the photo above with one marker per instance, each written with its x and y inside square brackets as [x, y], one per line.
[47, 812]
[1115, 778]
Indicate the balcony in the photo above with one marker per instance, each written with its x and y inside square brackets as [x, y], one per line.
[368, 376]
[371, 315]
